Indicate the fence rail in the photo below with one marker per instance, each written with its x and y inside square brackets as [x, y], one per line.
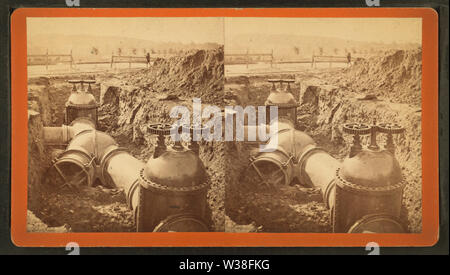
[49, 59]
[330, 59]
[249, 58]
[53, 59]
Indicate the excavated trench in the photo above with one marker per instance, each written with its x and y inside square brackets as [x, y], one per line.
[98, 208]
[129, 102]
[326, 103]
[237, 202]
[50, 203]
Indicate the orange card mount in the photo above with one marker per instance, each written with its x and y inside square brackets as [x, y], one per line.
[428, 235]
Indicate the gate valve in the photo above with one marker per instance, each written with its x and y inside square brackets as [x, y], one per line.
[390, 129]
[357, 130]
[288, 81]
[161, 130]
[281, 81]
[75, 81]
[195, 136]
[273, 81]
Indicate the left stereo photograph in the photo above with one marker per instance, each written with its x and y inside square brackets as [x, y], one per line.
[101, 98]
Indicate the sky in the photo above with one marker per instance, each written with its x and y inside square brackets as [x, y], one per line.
[387, 30]
[185, 30]
[218, 30]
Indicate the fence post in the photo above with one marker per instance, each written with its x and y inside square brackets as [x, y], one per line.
[112, 59]
[71, 59]
[46, 60]
[312, 61]
[246, 58]
[271, 59]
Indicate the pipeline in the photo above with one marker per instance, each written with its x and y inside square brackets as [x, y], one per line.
[159, 202]
[63, 134]
[363, 193]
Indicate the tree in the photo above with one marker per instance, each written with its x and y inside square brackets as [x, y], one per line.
[94, 51]
[134, 51]
[119, 51]
[320, 51]
[296, 50]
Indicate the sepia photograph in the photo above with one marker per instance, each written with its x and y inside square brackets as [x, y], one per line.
[224, 124]
[100, 94]
[347, 157]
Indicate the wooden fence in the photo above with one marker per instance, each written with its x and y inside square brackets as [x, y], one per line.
[54, 59]
[329, 59]
[49, 59]
[251, 58]
[116, 59]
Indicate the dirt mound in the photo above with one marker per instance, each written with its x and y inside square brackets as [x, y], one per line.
[326, 108]
[130, 102]
[197, 74]
[34, 224]
[268, 209]
[396, 76]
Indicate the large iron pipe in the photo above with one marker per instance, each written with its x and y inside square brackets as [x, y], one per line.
[296, 155]
[77, 165]
[317, 168]
[65, 133]
[121, 170]
[282, 152]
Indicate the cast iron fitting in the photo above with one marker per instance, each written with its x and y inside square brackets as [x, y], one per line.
[86, 111]
[317, 169]
[57, 135]
[75, 167]
[185, 222]
[390, 129]
[81, 124]
[284, 100]
[359, 129]
[278, 166]
[93, 141]
[273, 168]
[82, 157]
[378, 223]
[120, 170]
[369, 183]
[172, 182]
[109, 153]
[81, 103]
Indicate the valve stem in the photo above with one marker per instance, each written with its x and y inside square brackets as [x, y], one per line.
[160, 146]
[373, 136]
[356, 146]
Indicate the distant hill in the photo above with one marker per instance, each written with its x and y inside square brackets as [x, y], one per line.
[100, 47]
[295, 46]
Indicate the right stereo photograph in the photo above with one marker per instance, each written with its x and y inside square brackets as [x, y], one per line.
[328, 125]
